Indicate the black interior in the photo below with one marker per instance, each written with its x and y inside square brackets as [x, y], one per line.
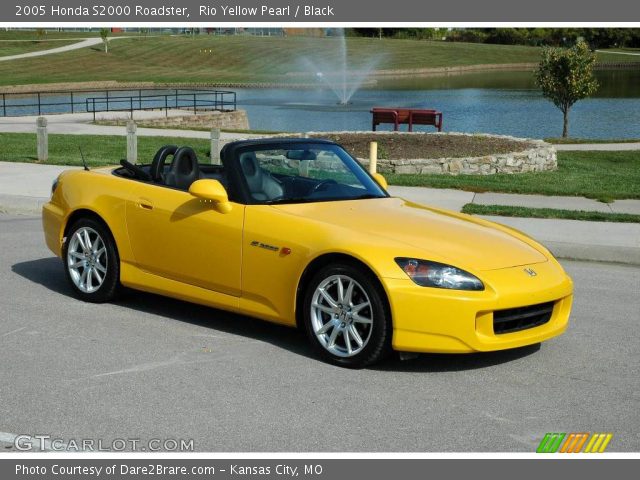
[178, 167]
[174, 167]
[248, 183]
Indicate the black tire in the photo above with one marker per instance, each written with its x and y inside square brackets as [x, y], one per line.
[378, 343]
[109, 260]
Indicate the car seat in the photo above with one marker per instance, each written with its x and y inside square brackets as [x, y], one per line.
[184, 169]
[261, 184]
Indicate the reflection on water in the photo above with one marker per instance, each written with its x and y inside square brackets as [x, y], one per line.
[497, 102]
[613, 83]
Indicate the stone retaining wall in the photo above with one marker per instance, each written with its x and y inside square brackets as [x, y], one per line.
[539, 156]
[236, 120]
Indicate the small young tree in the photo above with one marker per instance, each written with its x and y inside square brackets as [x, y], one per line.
[104, 34]
[565, 75]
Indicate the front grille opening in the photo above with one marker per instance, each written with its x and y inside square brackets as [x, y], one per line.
[521, 318]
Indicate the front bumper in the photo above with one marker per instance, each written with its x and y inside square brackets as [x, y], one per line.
[453, 321]
[52, 224]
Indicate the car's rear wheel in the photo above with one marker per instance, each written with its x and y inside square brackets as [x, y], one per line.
[91, 261]
[346, 317]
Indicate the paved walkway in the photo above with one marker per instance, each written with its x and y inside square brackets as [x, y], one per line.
[81, 124]
[618, 53]
[598, 146]
[456, 199]
[87, 42]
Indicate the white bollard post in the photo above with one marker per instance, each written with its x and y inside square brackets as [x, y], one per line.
[132, 142]
[215, 146]
[373, 157]
[43, 139]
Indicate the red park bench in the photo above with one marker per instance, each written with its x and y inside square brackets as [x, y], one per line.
[405, 116]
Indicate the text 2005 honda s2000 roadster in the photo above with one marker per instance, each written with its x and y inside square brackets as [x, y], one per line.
[297, 232]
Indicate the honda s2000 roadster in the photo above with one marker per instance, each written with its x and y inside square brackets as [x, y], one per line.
[296, 231]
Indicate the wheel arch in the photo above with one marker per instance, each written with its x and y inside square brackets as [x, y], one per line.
[79, 213]
[328, 258]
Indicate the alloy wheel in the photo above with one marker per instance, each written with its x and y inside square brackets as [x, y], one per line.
[87, 260]
[341, 315]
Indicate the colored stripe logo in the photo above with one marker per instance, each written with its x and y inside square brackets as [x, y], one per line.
[574, 442]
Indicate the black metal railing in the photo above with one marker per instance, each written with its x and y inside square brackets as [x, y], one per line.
[192, 100]
[93, 101]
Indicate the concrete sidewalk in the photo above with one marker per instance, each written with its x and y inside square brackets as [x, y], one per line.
[456, 199]
[84, 43]
[601, 147]
[25, 187]
[81, 124]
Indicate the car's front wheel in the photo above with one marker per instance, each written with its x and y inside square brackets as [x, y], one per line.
[346, 317]
[91, 261]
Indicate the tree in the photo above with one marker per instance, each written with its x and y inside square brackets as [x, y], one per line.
[104, 34]
[565, 75]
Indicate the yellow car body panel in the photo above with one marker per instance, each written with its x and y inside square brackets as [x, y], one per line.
[251, 259]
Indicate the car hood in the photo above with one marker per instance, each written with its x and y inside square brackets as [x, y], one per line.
[463, 241]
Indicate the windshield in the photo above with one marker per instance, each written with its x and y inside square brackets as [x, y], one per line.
[305, 173]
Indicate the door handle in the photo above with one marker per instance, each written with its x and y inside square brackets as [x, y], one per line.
[145, 204]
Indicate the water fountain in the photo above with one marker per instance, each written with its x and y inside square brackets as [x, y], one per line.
[335, 72]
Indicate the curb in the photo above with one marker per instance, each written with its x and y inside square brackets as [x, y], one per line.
[21, 205]
[595, 253]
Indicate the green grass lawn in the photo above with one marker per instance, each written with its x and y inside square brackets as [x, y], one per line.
[16, 48]
[245, 58]
[209, 59]
[604, 176]
[510, 211]
[610, 55]
[22, 34]
[99, 150]
[33, 35]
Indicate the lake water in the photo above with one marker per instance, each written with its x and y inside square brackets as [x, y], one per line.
[496, 102]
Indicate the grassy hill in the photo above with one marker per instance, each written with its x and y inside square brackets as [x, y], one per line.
[244, 59]
[252, 59]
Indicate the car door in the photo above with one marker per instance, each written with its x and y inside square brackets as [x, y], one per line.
[178, 236]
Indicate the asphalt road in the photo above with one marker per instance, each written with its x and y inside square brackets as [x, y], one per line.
[150, 367]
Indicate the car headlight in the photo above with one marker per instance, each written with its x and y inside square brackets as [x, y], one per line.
[54, 185]
[438, 275]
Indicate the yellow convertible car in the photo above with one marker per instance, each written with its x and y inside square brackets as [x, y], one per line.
[296, 231]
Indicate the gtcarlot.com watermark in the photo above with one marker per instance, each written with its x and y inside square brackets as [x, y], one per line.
[42, 443]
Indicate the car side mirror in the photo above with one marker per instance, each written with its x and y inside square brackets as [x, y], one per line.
[211, 191]
[381, 180]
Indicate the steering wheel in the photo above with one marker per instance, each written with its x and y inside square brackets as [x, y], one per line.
[318, 186]
[135, 170]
